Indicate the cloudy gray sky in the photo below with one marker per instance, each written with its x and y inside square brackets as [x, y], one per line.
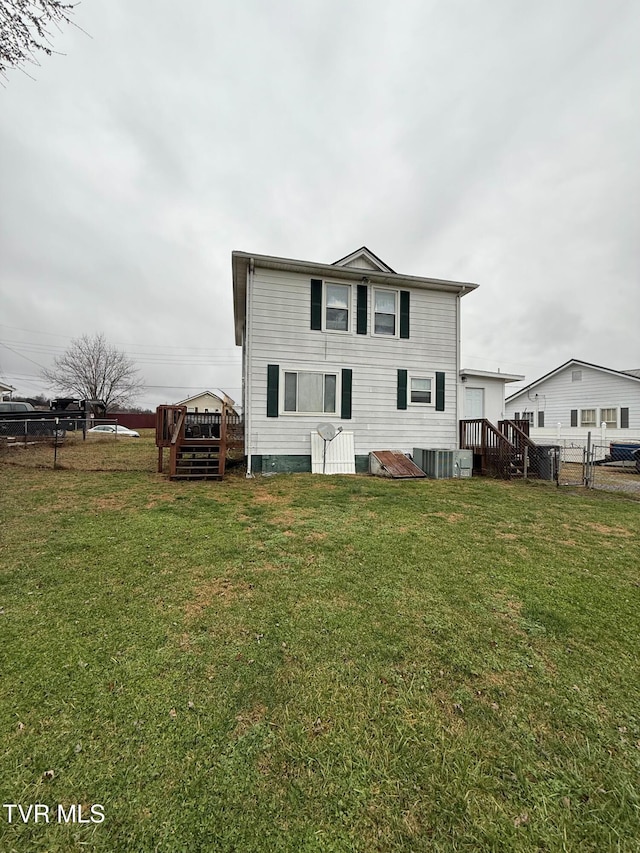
[493, 141]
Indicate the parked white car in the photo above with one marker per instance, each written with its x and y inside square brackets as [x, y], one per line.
[111, 429]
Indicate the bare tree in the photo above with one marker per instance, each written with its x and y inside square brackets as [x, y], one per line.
[25, 29]
[92, 369]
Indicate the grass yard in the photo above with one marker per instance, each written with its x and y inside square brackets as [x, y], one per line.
[315, 664]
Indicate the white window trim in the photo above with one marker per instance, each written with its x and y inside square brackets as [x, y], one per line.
[581, 422]
[421, 375]
[373, 316]
[349, 329]
[324, 371]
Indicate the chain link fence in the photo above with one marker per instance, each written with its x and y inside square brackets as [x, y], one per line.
[597, 467]
[64, 444]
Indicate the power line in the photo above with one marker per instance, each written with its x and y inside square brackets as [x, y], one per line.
[22, 356]
[118, 343]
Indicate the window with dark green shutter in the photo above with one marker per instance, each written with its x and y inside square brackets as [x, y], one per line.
[402, 389]
[439, 391]
[273, 383]
[541, 419]
[624, 418]
[361, 312]
[347, 382]
[574, 417]
[404, 313]
[316, 304]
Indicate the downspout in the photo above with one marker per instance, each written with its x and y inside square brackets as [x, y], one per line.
[247, 369]
[458, 344]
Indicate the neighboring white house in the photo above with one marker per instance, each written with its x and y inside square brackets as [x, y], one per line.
[6, 391]
[483, 393]
[351, 343]
[207, 401]
[577, 398]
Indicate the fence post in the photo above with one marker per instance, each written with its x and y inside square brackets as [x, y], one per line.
[586, 467]
[526, 461]
[55, 445]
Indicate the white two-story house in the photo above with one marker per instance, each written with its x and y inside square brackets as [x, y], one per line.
[351, 343]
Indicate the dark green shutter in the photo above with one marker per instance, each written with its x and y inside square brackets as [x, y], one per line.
[541, 419]
[624, 418]
[402, 389]
[273, 382]
[439, 391]
[345, 395]
[361, 316]
[316, 304]
[574, 417]
[404, 313]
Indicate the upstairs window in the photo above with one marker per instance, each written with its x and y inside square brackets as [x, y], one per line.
[337, 304]
[310, 392]
[385, 318]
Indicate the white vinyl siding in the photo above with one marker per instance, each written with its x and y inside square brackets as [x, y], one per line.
[596, 392]
[280, 334]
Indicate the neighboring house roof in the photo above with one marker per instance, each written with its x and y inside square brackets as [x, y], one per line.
[219, 395]
[4, 387]
[633, 372]
[574, 362]
[488, 374]
[377, 272]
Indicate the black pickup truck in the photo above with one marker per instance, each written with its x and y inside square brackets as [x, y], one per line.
[21, 420]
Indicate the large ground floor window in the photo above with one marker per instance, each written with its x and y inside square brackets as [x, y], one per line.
[305, 391]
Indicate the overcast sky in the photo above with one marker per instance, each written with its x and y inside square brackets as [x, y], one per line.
[493, 141]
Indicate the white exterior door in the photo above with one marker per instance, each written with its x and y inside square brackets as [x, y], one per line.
[473, 403]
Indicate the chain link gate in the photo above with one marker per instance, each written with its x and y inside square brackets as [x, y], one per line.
[576, 466]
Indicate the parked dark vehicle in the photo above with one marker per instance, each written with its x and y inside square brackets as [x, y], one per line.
[10, 407]
[27, 422]
[623, 451]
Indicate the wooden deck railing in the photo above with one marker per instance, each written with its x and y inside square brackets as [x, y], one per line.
[518, 433]
[493, 452]
[189, 434]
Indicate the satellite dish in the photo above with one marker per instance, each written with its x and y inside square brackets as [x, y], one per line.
[327, 432]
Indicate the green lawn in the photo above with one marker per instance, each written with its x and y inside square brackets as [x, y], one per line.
[301, 663]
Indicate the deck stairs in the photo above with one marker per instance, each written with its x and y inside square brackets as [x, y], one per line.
[497, 451]
[197, 444]
[198, 459]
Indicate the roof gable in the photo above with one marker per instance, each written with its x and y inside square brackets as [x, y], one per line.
[573, 362]
[363, 259]
[220, 397]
